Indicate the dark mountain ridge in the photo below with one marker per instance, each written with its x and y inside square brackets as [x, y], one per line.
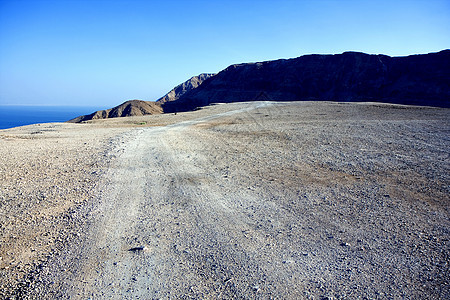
[422, 79]
[178, 91]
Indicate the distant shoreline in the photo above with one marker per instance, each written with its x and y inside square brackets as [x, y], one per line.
[21, 115]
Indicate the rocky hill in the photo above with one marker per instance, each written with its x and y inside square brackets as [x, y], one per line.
[140, 108]
[186, 86]
[126, 109]
[351, 76]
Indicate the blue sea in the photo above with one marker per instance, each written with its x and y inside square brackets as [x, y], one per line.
[13, 116]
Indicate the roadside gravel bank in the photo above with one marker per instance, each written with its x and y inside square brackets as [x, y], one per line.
[48, 173]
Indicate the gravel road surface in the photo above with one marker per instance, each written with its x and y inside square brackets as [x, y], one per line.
[306, 200]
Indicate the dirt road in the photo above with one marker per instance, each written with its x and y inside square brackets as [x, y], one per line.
[263, 200]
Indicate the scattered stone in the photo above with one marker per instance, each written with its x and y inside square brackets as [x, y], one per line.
[255, 288]
[139, 248]
[228, 280]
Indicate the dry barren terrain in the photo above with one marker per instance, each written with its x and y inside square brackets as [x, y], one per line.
[295, 200]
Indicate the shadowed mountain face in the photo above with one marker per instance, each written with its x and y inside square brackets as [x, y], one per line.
[126, 109]
[351, 77]
[186, 86]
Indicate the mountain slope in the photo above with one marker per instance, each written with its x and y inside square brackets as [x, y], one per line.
[126, 109]
[186, 86]
[351, 76]
[140, 108]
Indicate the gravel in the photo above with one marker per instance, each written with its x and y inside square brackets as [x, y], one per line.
[312, 200]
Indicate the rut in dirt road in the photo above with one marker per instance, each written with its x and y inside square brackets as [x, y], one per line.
[189, 239]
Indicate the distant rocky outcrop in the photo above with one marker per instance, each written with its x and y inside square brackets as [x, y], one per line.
[140, 108]
[186, 86]
[351, 76]
[126, 109]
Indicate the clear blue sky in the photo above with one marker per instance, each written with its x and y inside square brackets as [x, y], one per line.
[101, 53]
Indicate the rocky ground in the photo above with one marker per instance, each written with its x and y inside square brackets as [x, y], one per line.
[260, 200]
[47, 174]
